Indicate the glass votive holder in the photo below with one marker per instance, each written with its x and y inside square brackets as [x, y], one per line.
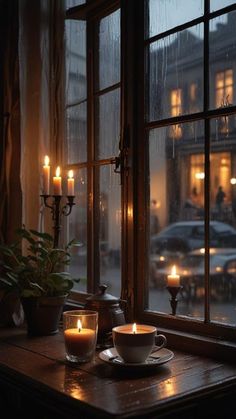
[80, 329]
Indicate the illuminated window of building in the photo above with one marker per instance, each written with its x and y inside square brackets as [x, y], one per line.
[224, 88]
[193, 92]
[176, 110]
[193, 97]
[224, 96]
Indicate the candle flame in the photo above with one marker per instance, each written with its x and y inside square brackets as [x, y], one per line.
[79, 325]
[134, 328]
[58, 171]
[46, 160]
[173, 270]
[70, 174]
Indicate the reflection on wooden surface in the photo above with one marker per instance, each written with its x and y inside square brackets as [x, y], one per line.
[34, 371]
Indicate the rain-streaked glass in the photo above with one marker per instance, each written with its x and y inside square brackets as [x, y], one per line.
[219, 4]
[110, 229]
[77, 229]
[223, 215]
[174, 73]
[76, 84]
[109, 51]
[222, 60]
[107, 124]
[176, 222]
[76, 124]
[73, 3]
[167, 14]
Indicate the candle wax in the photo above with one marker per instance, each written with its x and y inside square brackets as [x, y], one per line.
[57, 185]
[79, 342]
[138, 331]
[173, 280]
[46, 179]
[70, 186]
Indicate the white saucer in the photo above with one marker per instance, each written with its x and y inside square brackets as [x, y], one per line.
[156, 358]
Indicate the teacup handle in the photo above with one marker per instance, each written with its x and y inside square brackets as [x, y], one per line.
[160, 341]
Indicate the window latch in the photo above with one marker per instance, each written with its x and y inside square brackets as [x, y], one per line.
[121, 161]
[117, 162]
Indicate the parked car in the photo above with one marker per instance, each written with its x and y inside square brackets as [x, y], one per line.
[191, 269]
[184, 236]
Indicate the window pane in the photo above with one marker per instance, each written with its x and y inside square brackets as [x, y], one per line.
[175, 74]
[177, 217]
[218, 4]
[76, 87]
[223, 215]
[76, 124]
[222, 60]
[73, 3]
[166, 14]
[110, 229]
[109, 50]
[107, 127]
[77, 221]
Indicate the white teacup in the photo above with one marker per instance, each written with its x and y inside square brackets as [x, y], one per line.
[135, 347]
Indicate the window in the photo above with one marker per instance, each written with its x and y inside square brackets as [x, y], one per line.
[224, 88]
[176, 109]
[145, 105]
[193, 92]
[224, 96]
[188, 177]
[93, 136]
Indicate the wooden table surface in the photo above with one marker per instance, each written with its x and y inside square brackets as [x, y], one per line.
[35, 379]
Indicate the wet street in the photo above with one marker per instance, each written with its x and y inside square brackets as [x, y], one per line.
[221, 311]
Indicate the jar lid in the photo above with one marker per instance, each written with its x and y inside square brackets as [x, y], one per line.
[102, 296]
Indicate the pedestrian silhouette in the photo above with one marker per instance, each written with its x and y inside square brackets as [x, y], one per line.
[220, 197]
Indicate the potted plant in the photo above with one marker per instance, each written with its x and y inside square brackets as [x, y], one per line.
[38, 278]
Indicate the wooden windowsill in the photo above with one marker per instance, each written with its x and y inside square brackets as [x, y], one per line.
[218, 349]
[35, 380]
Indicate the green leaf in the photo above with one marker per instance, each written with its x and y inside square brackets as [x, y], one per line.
[31, 293]
[61, 282]
[5, 282]
[73, 242]
[44, 236]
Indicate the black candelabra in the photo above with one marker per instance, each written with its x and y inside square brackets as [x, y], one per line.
[58, 210]
[173, 300]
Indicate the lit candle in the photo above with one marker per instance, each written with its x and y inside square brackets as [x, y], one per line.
[79, 341]
[173, 280]
[134, 342]
[134, 329]
[57, 182]
[46, 176]
[70, 184]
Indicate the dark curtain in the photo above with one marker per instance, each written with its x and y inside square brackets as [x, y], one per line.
[10, 189]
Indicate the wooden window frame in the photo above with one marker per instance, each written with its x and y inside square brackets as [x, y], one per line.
[135, 213]
[183, 325]
[92, 12]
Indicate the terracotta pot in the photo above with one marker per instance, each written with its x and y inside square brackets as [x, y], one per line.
[43, 314]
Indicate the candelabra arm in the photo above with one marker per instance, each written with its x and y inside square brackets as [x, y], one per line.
[45, 201]
[57, 211]
[66, 210]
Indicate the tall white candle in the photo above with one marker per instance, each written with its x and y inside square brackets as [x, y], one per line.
[173, 280]
[46, 176]
[57, 190]
[70, 184]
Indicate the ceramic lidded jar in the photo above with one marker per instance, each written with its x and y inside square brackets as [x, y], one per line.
[110, 313]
